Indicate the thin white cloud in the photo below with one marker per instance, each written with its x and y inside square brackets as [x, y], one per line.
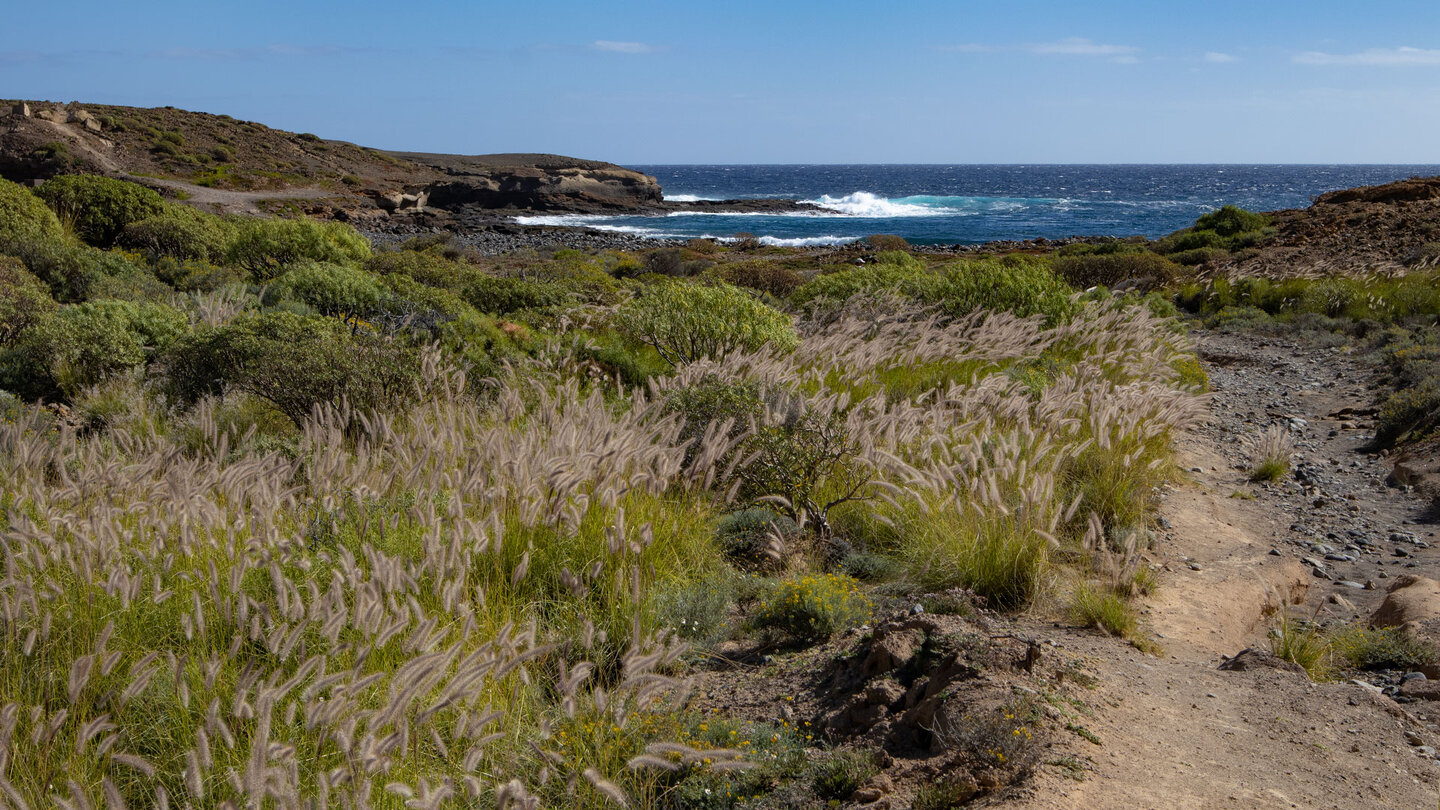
[1381, 57]
[1080, 46]
[1073, 46]
[611, 46]
[1218, 58]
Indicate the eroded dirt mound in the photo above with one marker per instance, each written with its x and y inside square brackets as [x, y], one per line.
[938, 699]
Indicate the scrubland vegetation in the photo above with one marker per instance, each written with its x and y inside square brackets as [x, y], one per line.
[290, 520]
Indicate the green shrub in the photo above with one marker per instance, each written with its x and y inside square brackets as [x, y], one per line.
[1379, 649]
[179, 232]
[1409, 413]
[1230, 220]
[332, 289]
[80, 345]
[426, 263]
[1015, 284]
[24, 216]
[812, 608]
[1148, 270]
[687, 322]
[838, 287]
[771, 278]
[887, 242]
[745, 537]
[1200, 255]
[714, 398]
[809, 461]
[267, 247]
[24, 299]
[697, 611]
[503, 296]
[99, 208]
[294, 363]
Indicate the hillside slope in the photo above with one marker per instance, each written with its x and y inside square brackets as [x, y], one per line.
[41, 139]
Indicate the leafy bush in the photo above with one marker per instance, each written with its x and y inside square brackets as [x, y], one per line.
[887, 242]
[1230, 220]
[1200, 255]
[812, 608]
[99, 208]
[266, 247]
[426, 263]
[687, 322]
[502, 296]
[333, 290]
[1378, 649]
[745, 537]
[294, 363]
[1014, 284]
[771, 278]
[25, 216]
[179, 232]
[1148, 270]
[713, 398]
[83, 344]
[24, 299]
[1409, 413]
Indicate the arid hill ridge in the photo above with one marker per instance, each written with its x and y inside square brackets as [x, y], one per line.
[41, 139]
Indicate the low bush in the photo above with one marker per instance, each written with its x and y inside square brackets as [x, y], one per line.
[333, 290]
[503, 296]
[179, 233]
[1231, 220]
[1013, 284]
[812, 608]
[81, 345]
[267, 247]
[808, 462]
[24, 299]
[24, 216]
[771, 278]
[1199, 256]
[294, 363]
[99, 208]
[687, 322]
[887, 242]
[1389, 648]
[1142, 270]
[748, 537]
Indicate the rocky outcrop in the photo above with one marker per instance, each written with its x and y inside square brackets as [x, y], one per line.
[538, 189]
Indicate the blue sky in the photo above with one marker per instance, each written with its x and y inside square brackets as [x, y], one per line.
[771, 82]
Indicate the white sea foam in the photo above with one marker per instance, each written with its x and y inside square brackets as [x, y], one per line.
[865, 204]
[807, 241]
[688, 198]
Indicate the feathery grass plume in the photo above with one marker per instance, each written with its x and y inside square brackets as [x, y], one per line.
[1271, 452]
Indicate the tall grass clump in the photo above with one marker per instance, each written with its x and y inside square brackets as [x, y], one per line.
[1271, 452]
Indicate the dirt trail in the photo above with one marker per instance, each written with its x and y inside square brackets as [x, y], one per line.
[222, 201]
[1175, 731]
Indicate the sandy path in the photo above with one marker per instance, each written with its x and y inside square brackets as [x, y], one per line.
[1176, 732]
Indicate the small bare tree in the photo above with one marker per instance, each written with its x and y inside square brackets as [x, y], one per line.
[809, 453]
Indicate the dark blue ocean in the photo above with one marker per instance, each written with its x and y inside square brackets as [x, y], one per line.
[980, 203]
